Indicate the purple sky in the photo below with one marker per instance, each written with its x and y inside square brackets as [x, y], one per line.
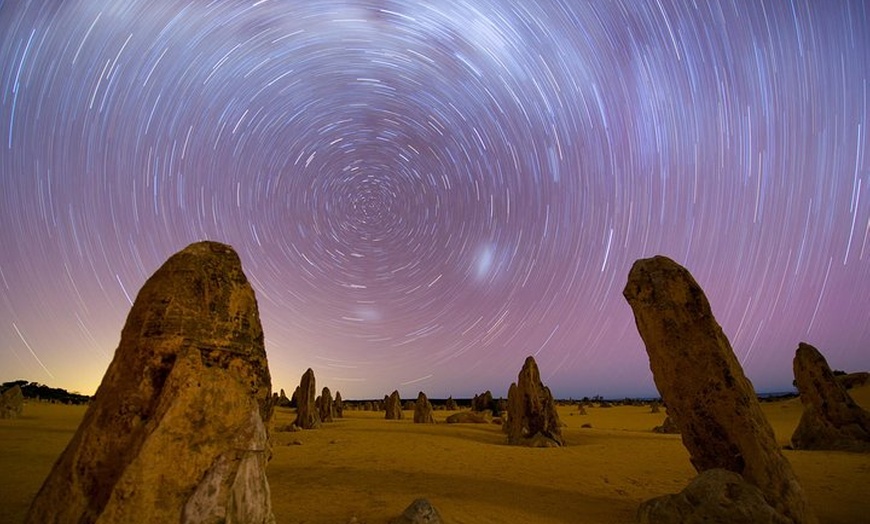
[423, 193]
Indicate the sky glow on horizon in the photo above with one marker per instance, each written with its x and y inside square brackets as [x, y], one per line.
[423, 193]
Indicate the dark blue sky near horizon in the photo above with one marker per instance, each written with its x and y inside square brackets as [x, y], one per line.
[423, 193]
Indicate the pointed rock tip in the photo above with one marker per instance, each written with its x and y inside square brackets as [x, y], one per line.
[651, 262]
[210, 248]
[652, 280]
[208, 245]
[207, 250]
[807, 355]
[805, 347]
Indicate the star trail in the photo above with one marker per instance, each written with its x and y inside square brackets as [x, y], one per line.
[423, 193]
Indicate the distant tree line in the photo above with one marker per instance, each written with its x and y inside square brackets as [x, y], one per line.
[35, 390]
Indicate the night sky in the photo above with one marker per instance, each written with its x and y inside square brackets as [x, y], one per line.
[423, 193]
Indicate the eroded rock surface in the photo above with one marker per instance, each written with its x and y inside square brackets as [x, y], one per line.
[531, 412]
[177, 429]
[338, 405]
[700, 380]
[12, 402]
[714, 496]
[470, 417]
[307, 416]
[667, 427]
[421, 511]
[484, 402]
[326, 406]
[831, 419]
[423, 410]
[282, 400]
[854, 380]
[393, 407]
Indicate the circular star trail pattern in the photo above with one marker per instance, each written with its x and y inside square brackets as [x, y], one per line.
[423, 193]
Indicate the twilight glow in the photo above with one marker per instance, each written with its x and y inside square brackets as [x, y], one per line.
[425, 192]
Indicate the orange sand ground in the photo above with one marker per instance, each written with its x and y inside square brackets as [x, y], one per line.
[369, 468]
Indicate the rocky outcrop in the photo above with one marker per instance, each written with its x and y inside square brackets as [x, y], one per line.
[484, 402]
[393, 407]
[12, 402]
[668, 427]
[282, 401]
[716, 495]
[307, 416]
[831, 419]
[423, 410]
[177, 429]
[421, 511]
[325, 407]
[531, 412]
[338, 406]
[854, 380]
[703, 385]
[470, 417]
[294, 400]
[450, 405]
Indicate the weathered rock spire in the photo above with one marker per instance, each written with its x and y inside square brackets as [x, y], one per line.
[700, 380]
[177, 429]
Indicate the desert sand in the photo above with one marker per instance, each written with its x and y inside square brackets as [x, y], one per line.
[366, 468]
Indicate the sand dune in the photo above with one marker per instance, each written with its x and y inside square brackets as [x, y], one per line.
[368, 468]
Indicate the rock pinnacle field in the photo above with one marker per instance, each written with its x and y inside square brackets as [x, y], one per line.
[371, 261]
